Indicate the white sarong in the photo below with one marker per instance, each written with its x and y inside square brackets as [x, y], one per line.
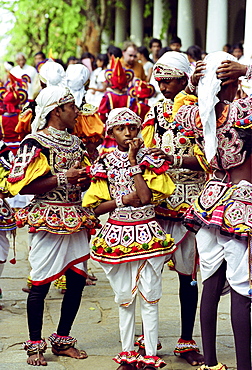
[52, 254]
[183, 257]
[214, 248]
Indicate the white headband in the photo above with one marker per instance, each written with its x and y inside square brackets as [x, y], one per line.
[209, 86]
[171, 64]
[48, 99]
[122, 116]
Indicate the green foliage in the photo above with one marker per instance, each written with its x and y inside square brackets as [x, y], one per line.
[148, 8]
[44, 25]
[65, 26]
[165, 19]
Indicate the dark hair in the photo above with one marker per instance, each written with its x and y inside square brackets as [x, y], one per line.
[60, 61]
[152, 41]
[71, 58]
[40, 53]
[176, 40]
[163, 50]
[143, 50]
[194, 52]
[104, 58]
[238, 45]
[86, 54]
[229, 48]
[114, 50]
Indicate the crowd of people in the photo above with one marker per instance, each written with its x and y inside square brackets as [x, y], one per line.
[158, 139]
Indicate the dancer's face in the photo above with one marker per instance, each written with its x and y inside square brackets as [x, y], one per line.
[123, 134]
[171, 87]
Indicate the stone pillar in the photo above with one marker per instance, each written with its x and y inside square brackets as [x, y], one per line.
[105, 41]
[186, 23]
[217, 15]
[248, 32]
[136, 21]
[157, 19]
[120, 24]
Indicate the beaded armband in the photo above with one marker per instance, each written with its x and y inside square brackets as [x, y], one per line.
[119, 201]
[61, 179]
[248, 74]
[134, 170]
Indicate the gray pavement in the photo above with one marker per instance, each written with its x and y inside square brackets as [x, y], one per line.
[96, 325]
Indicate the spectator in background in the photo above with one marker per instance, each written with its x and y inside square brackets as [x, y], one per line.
[98, 85]
[72, 60]
[175, 44]
[143, 57]
[155, 45]
[114, 50]
[24, 69]
[129, 60]
[88, 60]
[194, 53]
[39, 57]
[60, 61]
[227, 48]
[163, 50]
[237, 52]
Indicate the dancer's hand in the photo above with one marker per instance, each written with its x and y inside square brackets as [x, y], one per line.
[198, 72]
[76, 175]
[134, 146]
[132, 199]
[230, 71]
[156, 152]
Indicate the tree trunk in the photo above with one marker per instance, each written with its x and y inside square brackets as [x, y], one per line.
[92, 38]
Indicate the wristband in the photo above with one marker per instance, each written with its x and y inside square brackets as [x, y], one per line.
[119, 201]
[248, 74]
[190, 85]
[61, 179]
[177, 161]
[134, 170]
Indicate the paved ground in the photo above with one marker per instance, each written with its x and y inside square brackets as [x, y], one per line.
[96, 326]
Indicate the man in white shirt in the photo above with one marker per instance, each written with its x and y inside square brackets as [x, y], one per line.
[24, 69]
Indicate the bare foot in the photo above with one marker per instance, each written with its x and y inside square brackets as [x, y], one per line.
[36, 360]
[70, 352]
[193, 358]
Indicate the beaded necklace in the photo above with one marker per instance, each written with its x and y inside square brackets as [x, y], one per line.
[59, 135]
